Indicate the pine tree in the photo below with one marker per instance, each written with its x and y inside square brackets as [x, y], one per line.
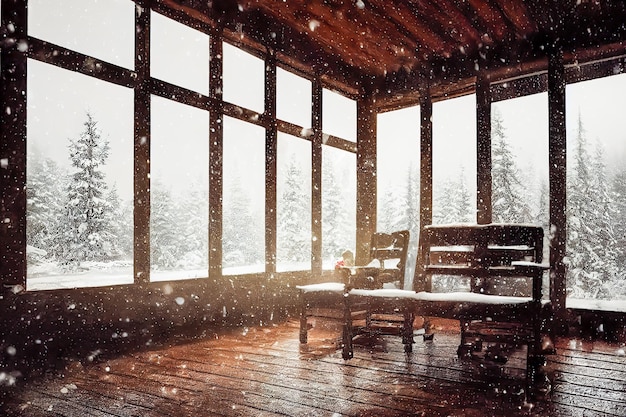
[583, 279]
[192, 218]
[507, 202]
[242, 242]
[334, 216]
[294, 223]
[619, 218]
[86, 232]
[164, 234]
[45, 183]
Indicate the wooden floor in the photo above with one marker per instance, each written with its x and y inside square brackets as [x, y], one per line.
[266, 372]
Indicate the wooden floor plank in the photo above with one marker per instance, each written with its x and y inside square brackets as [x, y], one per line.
[265, 371]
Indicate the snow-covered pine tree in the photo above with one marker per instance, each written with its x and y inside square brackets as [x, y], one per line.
[602, 240]
[164, 233]
[452, 202]
[334, 216]
[618, 189]
[121, 221]
[193, 219]
[242, 239]
[86, 234]
[294, 223]
[507, 202]
[582, 280]
[45, 185]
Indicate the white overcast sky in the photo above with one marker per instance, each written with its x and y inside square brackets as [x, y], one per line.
[58, 100]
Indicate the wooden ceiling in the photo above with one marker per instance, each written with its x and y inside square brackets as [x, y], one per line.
[387, 47]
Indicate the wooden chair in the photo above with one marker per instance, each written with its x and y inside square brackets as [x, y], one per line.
[371, 303]
[388, 253]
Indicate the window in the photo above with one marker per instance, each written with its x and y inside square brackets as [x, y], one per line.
[338, 115]
[293, 96]
[293, 204]
[454, 160]
[179, 54]
[338, 204]
[244, 79]
[519, 160]
[79, 214]
[243, 243]
[596, 190]
[398, 176]
[179, 191]
[102, 29]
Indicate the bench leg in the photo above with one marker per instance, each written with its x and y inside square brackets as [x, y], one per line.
[407, 331]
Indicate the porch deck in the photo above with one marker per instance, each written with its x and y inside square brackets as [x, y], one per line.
[264, 371]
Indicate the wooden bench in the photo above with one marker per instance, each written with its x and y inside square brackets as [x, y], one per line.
[496, 309]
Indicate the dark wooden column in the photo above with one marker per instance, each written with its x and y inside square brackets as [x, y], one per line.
[426, 179]
[142, 144]
[13, 143]
[483, 151]
[557, 172]
[216, 150]
[271, 146]
[365, 178]
[316, 179]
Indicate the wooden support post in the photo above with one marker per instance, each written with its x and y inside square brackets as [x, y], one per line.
[216, 150]
[365, 178]
[483, 152]
[142, 145]
[14, 54]
[316, 179]
[271, 149]
[426, 181]
[557, 172]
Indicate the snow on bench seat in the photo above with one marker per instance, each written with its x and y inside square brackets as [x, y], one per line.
[324, 286]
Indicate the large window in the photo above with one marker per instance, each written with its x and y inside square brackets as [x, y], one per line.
[79, 180]
[244, 79]
[596, 190]
[179, 190]
[338, 115]
[519, 160]
[102, 29]
[243, 247]
[398, 176]
[179, 54]
[293, 204]
[454, 160]
[338, 204]
[293, 99]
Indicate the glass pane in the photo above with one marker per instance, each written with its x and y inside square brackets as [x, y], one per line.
[293, 204]
[338, 204]
[398, 175]
[80, 137]
[244, 79]
[454, 160]
[179, 191]
[243, 245]
[338, 115]
[596, 191]
[519, 160]
[293, 97]
[102, 29]
[179, 54]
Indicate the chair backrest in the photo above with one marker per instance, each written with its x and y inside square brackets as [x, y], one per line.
[390, 249]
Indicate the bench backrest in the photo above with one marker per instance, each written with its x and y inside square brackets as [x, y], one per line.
[472, 250]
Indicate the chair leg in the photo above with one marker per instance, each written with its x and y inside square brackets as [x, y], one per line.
[347, 348]
[303, 321]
